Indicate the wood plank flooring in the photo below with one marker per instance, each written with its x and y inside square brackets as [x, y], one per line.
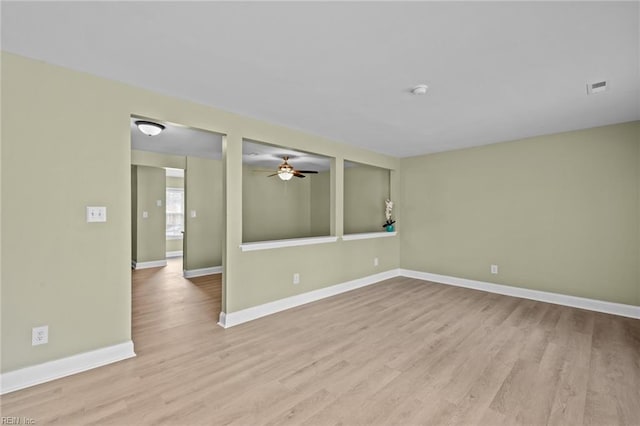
[401, 352]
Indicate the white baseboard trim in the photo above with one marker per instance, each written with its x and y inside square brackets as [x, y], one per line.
[222, 320]
[192, 273]
[525, 293]
[146, 265]
[234, 318]
[45, 372]
[171, 254]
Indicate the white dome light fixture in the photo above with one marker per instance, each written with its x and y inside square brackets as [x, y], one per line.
[285, 173]
[420, 89]
[149, 128]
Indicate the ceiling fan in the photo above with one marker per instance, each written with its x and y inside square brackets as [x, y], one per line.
[286, 171]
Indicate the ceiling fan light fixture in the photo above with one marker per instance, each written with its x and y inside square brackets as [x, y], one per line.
[285, 172]
[285, 175]
[149, 128]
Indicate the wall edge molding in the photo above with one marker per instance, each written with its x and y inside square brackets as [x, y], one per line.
[41, 373]
[368, 235]
[230, 319]
[192, 273]
[292, 242]
[595, 305]
[177, 253]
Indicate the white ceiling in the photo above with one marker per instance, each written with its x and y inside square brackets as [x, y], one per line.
[268, 157]
[185, 141]
[177, 140]
[497, 71]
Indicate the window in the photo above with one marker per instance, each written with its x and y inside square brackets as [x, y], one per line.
[175, 213]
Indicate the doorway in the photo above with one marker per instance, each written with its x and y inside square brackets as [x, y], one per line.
[175, 214]
[177, 197]
[176, 217]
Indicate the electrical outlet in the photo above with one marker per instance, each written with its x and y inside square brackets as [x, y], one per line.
[494, 269]
[39, 335]
[145, 215]
[375, 261]
[296, 278]
[96, 214]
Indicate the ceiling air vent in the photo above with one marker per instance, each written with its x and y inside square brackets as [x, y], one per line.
[597, 87]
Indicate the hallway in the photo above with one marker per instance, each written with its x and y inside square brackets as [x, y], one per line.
[167, 309]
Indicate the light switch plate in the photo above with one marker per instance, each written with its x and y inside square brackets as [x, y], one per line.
[193, 213]
[96, 214]
[39, 335]
[159, 203]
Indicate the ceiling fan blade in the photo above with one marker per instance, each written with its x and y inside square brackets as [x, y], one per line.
[298, 174]
[275, 174]
[307, 171]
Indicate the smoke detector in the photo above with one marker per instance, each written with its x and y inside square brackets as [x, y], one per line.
[420, 89]
[597, 87]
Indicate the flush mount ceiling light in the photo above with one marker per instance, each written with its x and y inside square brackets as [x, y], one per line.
[420, 89]
[149, 128]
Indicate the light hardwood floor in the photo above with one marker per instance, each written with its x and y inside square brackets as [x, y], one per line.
[400, 352]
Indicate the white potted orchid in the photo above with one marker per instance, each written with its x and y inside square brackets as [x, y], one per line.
[388, 225]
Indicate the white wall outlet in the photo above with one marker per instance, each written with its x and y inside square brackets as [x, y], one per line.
[39, 335]
[296, 278]
[375, 261]
[494, 269]
[193, 213]
[159, 203]
[145, 215]
[96, 214]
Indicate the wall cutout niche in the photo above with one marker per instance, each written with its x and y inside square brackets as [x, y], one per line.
[278, 207]
[365, 190]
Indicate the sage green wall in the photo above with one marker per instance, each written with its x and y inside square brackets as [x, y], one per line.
[156, 159]
[174, 245]
[86, 300]
[556, 213]
[175, 182]
[319, 265]
[320, 221]
[274, 209]
[365, 190]
[151, 231]
[203, 193]
[204, 233]
[75, 276]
